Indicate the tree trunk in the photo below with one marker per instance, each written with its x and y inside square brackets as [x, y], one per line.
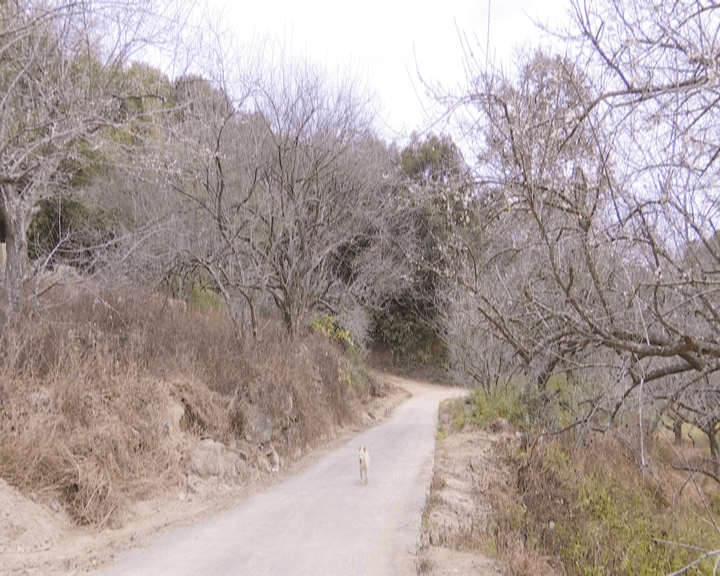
[546, 373]
[710, 428]
[677, 430]
[289, 320]
[714, 453]
[16, 218]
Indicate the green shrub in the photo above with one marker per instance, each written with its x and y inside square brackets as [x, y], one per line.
[331, 329]
[71, 228]
[205, 298]
[608, 519]
[482, 407]
[354, 371]
[402, 330]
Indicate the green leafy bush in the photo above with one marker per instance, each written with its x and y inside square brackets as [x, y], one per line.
[401, 329]
[482, 407]
[595, 511]
[70, 227]
[329, 327]
[353, 372]
[205, 298]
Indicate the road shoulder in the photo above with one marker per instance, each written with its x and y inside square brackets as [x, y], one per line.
[458, 519]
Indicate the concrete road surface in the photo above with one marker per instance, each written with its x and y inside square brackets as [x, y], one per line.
[322, 521]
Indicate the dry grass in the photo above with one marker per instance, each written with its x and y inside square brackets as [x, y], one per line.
[87, 377]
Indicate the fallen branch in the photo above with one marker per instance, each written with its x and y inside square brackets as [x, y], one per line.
[696, 562]
[698, 467]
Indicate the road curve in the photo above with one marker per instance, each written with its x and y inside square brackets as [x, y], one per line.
[322, 521]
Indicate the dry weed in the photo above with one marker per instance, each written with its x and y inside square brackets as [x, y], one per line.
[87, 376]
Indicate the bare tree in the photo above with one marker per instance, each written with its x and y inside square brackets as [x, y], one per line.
[61, 65]
[603, 257]
[656, 74]
[541, 215]
[290, 194]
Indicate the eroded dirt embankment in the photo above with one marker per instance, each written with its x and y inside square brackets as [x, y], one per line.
[458, 521]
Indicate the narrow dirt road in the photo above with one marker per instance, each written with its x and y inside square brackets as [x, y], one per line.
[322, 521]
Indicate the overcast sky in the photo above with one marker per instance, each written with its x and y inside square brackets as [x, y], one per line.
[386, 42]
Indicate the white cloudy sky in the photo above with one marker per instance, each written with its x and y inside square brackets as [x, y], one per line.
[387, 41]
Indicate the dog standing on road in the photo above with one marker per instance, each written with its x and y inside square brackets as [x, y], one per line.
[364, 465]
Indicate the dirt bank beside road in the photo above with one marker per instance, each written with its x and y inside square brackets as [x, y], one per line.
[39, 538]
[458, 520]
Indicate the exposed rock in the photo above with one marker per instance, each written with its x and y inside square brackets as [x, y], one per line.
[257, 427]
[207, 458]
[273, 459]
[377, 390]
[175, 413]
[262, 463]
[195, 484]
[242, 469]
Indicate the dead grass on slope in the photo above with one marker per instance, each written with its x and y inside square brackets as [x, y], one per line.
[91, 382]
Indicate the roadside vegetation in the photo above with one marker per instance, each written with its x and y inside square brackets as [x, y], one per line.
[98, 381]
[579, 296]
[189, 256]
[585, 502]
